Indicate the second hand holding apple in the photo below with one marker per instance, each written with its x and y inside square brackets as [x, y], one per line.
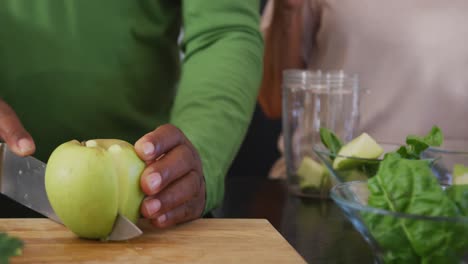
[173, 179]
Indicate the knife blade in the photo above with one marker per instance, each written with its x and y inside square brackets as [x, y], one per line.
[23, 180]
[124, 229]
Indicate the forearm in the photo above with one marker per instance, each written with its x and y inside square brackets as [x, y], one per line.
[220, 80]
[283, 46]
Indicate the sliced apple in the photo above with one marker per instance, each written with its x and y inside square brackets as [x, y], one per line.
[310, 173]
[363, 146]
[89, 184]
[129, 167]
[460, 174]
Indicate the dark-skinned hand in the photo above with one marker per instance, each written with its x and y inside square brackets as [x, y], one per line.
[173, 179]
[13, 133]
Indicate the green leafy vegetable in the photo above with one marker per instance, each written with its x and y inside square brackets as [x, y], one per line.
[408, 186]
[9, 247]
[403, 182]
[330, 140]
[459, 195]
[415, 145]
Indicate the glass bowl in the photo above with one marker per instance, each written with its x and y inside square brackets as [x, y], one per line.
[396, 237]
[444, 162]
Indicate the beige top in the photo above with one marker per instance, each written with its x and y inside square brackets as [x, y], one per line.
[411, 58]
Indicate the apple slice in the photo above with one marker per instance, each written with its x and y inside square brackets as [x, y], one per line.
[460, 174]
[310, 173]
[89, 184]
[129, 167]
[363, 146]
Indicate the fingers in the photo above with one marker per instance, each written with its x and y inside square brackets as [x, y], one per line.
[169, 168]
[158, 142]
[173, 179]
[186, 212]
[13, 132]
[173, 196]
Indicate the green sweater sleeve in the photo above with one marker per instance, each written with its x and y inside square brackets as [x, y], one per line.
[219, 83]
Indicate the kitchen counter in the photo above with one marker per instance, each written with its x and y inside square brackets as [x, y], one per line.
[316, 228]
[200, 241]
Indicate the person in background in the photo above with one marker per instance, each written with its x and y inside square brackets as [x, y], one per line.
[258, 150]
[410, 58]
[83, 69]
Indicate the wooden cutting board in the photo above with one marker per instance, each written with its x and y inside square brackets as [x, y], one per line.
[201, 241]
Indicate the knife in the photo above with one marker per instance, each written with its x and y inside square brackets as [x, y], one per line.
[23, 180]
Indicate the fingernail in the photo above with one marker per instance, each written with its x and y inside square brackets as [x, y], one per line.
[152, 206]
[162, 219]
[25, 145]
[153, 181]
[148, 148]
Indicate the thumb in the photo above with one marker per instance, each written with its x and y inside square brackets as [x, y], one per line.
[13, 132]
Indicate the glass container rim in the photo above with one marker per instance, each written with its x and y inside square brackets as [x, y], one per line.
[333, 77]
[346, 203]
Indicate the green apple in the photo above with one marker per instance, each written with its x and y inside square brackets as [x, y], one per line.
[459, 170]
[363, 146]
[310, 173]
[89, 183]
[460, 174]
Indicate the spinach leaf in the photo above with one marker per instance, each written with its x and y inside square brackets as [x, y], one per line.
[459, 195]
[9, 247]
[408, 186]
[369, 168]
[387, 230]
[330, 140]
[415, 145]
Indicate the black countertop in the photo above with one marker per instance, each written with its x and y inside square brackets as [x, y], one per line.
[316, 228]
